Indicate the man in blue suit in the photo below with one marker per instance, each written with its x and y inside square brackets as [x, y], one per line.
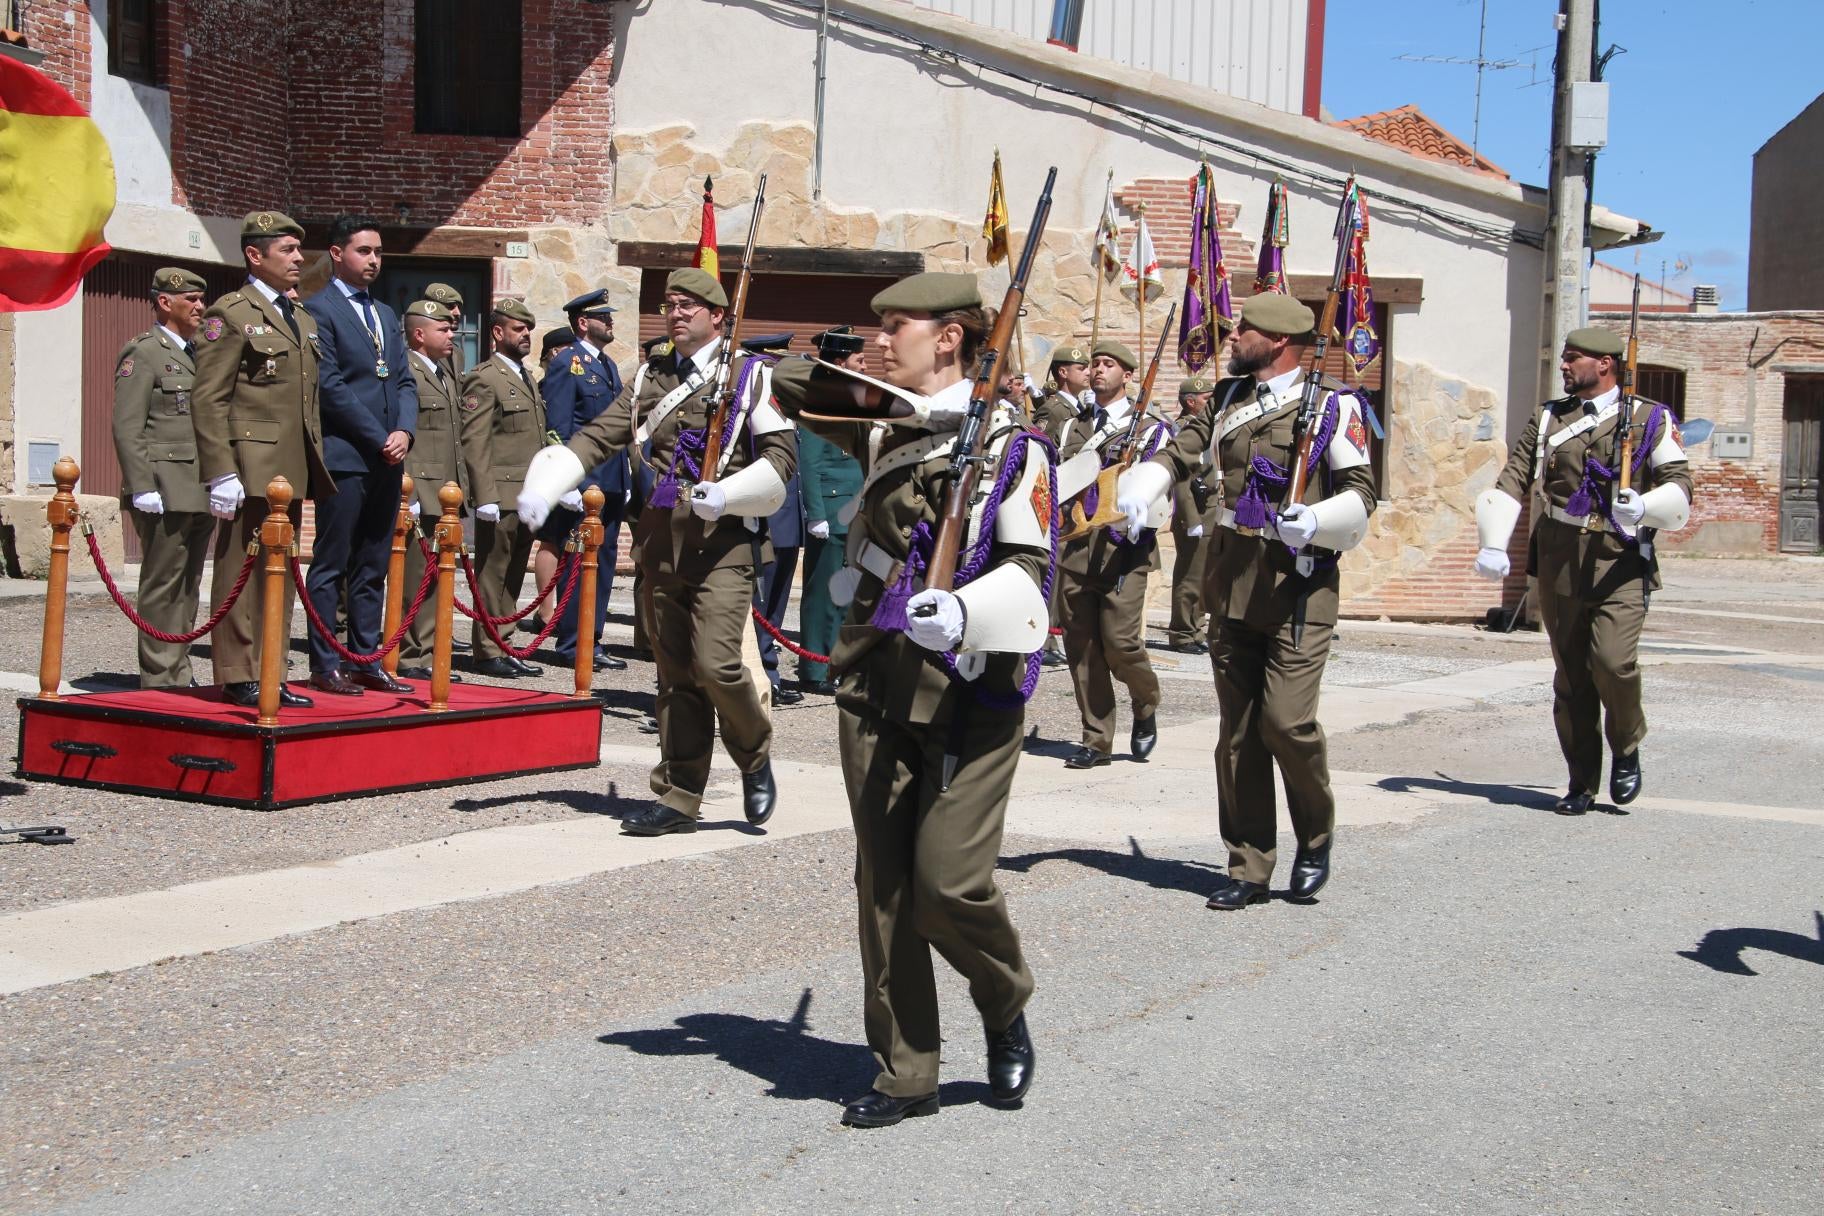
[580, 382]
[369, 404]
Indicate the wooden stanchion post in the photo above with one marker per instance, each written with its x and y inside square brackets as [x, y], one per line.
[275, 624]
[449, 541]
[61, 511]
[395, 574]
[592, 531]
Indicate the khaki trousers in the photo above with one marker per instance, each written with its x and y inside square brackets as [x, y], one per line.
[1596, 647]
[235, 644]
[1190, 623]
[502, 548]
[173, 547]
[924, 880]
[698, 629]
[1267, 692]
[1105, 640]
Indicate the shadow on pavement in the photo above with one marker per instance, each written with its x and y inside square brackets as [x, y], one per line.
[1722, 949]
[1500, 795]
[1164, 873]
[583, 802]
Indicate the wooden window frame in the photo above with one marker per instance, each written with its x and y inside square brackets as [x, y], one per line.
[151, 74]
[467, 68]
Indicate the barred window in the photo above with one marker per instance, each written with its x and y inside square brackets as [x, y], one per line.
[133, 40]
[467, 79]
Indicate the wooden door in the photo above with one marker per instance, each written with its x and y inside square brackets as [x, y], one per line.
[1801, 457]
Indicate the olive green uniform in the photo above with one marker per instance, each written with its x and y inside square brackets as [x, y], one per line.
[1054, 414]
[435, 459]
[1266, 687]
[153, 382]
[925, 854]
[696, 581]
[1194, 504]
[503, 426]
[1592, 584]
[1102, 597]
[255, 412]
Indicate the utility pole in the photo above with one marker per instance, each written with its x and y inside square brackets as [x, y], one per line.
[1567, 233]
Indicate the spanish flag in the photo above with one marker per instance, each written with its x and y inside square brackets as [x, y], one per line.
[994, 224]
[56, 190]
[706, 258]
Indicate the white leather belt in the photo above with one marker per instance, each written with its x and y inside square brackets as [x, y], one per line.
[1226, 519]
[1589, 523]
[878, 562]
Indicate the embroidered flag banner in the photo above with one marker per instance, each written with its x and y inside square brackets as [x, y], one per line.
[994, 224]
[1270, 272]
[1361, 342]
[1108, 234]
[1140, 274]
[1207, 309]
[56, 190]
[706, 258]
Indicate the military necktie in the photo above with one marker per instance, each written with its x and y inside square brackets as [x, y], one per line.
[286, 309]
[190, 348]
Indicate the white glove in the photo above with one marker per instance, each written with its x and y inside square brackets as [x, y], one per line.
[1630, 508]
[1133, 503]
[573, 500]
[226, 496]
[1195, 531]
[490, 511]
[707, 500]
[820, 528]
[414, 508]
[935, 619]
[149, 503]
[1492, 563]
[1296, 526]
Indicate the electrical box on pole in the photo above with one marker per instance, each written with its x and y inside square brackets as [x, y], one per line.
[1589, 118]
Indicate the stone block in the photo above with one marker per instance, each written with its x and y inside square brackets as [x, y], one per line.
[26, 536]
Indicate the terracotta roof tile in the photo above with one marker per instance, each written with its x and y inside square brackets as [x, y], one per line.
[1410, 129]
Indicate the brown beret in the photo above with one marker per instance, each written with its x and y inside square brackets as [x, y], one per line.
[1119, 352]
[514, 310]
[695, 281]
[261, 224]
[1595, 340]
[1280, 315]
[1197, 383]
[932, 291]
[428, 308]
[1069, 353]
[174, 280]
[444, 294]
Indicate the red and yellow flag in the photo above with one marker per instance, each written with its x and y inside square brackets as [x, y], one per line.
[994, 224]
[706, 258]
[56, 190]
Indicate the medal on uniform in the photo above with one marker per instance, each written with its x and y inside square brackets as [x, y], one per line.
[272, 368]
[380, 371]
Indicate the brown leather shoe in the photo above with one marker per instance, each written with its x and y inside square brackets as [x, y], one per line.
[379, 681]
[334, 682]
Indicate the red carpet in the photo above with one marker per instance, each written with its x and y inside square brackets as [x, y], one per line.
[192, 745]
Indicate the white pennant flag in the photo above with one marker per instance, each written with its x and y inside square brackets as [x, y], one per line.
[1141, 271]
[1108, 235]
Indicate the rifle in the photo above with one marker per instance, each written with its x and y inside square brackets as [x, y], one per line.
[966, 458]
[1079, 523]
[731, 331]
[1628, 371]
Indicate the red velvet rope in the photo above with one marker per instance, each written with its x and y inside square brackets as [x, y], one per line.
[557, 611]
[468, 572]
[328, 634]
[139, 622]
[786, 642]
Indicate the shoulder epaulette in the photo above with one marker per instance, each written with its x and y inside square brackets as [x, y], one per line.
[663, 349]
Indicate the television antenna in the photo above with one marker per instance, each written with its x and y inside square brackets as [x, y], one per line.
[1482, 63]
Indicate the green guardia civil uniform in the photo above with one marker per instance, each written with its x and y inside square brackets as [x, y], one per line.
[154, 379]
[254, 409]
[502, 428]
[926, 849]
[435, 460]
[1594, 573]
[829, 481]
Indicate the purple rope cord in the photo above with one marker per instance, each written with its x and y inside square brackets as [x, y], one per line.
[693, 442]
[1586, 496]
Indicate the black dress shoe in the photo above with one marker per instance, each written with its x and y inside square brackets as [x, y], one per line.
[1236, 894]
[823, 688]
[246, 693]
[524, 668]
[759, 794]
[607, 662]
[379, 681]
[875, 1109]
[657, 820]
[1576, 802]
[1310, 871]
[1086, 757]
[786, 696]
[335, 683]
[424, 673]
[1053, 658]
[649, 725]
[289, 699]
[506, 667]
[1191, 647]
[1624, 778]
[1010, 1061]
[1145, 736]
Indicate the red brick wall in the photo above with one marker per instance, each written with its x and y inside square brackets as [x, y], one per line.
[67, 58]
[230, 102]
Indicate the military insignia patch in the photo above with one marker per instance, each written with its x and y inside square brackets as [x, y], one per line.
[248, 330]
[182, 401]
[471, 403]
[1357, 433]
[126, 368]
[576, 365]
[212, 329]
[1041, 500]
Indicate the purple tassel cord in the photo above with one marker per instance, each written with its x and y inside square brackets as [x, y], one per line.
[692, 443]
[1586, 496]
[1267, 480]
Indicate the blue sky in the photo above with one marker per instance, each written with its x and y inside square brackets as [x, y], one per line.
[1701, 87]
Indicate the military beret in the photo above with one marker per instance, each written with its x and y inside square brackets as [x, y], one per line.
[1280, 315]
[514, 310]
[1117, 351]
[444, 294]
[590, 303]
[173, 280]
[695, 281]
[1197, 383]
[933, 291]
[428, 308]
[1071, 353]
[261, 224]
[1595, 340]
[767, 342]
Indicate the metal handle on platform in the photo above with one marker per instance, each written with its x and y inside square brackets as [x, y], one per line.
[207, 764]
[73, 747]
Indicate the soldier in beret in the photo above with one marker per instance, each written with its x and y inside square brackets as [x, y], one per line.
[1194, 512]
[255, 412]
[696, 540]
[154, 379]
[435, 458]
[1102, 587]
[451, 299]
[932, 687]
[1069, 383]
[1592, 552]
[1264, 561]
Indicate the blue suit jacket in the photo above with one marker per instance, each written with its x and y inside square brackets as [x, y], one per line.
[576, 388]
[359, 409]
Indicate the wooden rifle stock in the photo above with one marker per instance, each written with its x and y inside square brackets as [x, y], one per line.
[966, 459]
[1628, 371]
[731, 338]
[1077, 523]
[1304, 427]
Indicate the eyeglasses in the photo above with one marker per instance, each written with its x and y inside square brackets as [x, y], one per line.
[681, 308]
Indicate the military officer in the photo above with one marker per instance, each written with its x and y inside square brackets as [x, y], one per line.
[254, 408]
[503, 427]
[153, 381]
[1102, 584]
[1194, 512]
[931, 700]
[1592, 551]
[1070, 382]
[830, 480]
[1271, 585]
[435, 458]
[696, 545]
[451, 299]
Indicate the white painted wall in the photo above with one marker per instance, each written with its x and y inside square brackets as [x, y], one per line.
[47, 395]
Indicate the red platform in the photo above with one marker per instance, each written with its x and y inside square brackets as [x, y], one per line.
[193, 745]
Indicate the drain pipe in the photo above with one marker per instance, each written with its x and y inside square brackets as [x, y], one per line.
[823, 61]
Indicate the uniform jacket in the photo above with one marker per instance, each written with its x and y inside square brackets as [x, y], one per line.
[1100, 554]
[503, 426]
[359, 408]
[829, 479]
[255, 401]
[1196, 500]
[1592, 562]
[785, 527]
[578, 387]
[436, 455]
[1054, 415]
[1254, 579]
[153, 382]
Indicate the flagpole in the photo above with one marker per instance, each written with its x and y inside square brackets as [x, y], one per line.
[1095, 321]
[1140, 285]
